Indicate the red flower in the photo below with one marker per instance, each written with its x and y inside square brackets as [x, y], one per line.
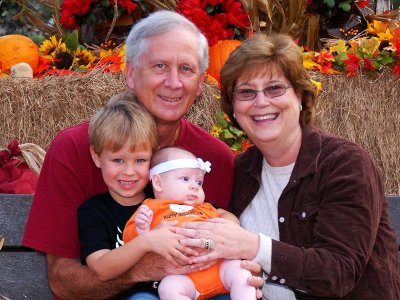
[125, 4]
[76, 7]
[67, 20]
[324, 58]
[44, 64]
[70, 8]
[217, 19]
[368, 65]
[397, 46]
[353, 63]
[246, 144]
[362, 4]
[396, 69]
[235, 13]
[110, 63]
[61, 72]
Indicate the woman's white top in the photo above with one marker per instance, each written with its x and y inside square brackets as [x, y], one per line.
[261, 216]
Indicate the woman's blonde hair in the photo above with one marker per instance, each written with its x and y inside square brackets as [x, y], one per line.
[263, 54]
[122, 120]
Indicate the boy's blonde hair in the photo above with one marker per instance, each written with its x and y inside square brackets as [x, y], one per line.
[122, 120]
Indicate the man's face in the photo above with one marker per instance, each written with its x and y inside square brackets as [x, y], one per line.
[168, 78]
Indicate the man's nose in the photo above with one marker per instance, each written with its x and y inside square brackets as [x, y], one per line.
[173, 79]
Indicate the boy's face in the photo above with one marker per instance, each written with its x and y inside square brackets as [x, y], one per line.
[125, 172]
[185, 185]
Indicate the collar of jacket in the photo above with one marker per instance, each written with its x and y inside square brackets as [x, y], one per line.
[306, 162]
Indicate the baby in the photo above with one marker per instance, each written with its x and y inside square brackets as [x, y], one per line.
[177, 178]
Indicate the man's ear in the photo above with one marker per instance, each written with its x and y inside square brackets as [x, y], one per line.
[201, 84]
[95, 157]
[156, 182]
[129, 70]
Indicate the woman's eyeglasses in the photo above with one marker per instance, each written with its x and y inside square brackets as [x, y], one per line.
[271, 91]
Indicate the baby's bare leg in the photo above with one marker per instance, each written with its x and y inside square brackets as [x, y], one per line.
[235, 278]
[176, 287]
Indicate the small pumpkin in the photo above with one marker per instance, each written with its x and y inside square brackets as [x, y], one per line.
[16, 48]
[219, 53]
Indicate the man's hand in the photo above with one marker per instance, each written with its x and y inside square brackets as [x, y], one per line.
[153, 267]
[69, 279]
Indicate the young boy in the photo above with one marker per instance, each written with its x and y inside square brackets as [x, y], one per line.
[122, 137]
[177, 178]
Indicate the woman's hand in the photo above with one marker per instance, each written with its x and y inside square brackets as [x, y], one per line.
[165, 242]
[222, 238]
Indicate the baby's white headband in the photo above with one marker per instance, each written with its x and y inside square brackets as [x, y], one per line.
[180, 164]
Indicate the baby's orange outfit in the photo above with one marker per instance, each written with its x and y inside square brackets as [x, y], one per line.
[207, 282]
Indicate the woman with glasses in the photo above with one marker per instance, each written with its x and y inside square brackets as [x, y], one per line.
[312, 205]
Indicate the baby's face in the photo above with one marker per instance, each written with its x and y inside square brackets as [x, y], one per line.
[185, 185]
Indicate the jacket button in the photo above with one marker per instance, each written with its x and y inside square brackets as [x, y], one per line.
[303, 214]
[282, 281]
[281, 219]
[274, 278]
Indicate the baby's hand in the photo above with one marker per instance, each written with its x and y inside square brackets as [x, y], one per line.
[143, 218]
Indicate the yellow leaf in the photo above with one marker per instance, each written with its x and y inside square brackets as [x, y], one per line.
[308, 61]
[370, 45]
[377, 27]
[105, 53]
[354, 44]
[122, 53]
[340, 47]
[385, 36]
[318, 86]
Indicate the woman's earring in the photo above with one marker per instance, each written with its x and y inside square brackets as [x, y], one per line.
[233, 116]
[301, 107]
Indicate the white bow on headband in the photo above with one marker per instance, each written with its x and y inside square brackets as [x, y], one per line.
[180, 164]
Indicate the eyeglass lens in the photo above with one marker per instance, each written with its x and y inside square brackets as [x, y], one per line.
[271, 91]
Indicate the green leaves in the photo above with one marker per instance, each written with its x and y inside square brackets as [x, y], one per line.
[71, 40]
[228, 133]
[345, 6]
[330, 3]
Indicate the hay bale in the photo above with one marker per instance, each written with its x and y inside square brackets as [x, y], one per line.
[367, 112]
[35, 111]
[358, 108]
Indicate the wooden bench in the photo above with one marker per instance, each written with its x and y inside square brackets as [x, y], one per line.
[23, 271]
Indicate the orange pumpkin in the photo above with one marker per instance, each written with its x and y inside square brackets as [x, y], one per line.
[15, 48]
[219, 53]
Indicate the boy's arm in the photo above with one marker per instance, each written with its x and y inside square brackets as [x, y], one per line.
[109, 264]
[224, 214]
